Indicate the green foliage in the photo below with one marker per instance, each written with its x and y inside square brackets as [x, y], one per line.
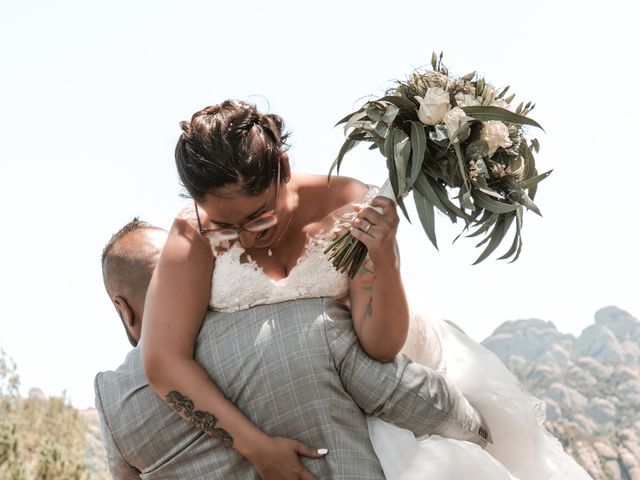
[491, 186]
[9, 380]
[40, 439]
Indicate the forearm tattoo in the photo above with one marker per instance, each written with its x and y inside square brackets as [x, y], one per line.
[205, 421]
[366, 278]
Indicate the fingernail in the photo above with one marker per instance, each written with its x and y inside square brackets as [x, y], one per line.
[322, 451]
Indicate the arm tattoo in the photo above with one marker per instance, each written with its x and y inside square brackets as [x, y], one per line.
[205, 421]
[366, 277]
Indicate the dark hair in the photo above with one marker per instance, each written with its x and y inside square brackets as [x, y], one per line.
[231, 143]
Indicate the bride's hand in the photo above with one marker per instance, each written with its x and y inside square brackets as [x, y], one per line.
[378, 231]
[277, 458]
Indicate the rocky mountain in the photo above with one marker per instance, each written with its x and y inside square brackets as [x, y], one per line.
[591, 386]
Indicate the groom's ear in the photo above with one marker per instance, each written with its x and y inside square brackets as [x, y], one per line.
[126, 314]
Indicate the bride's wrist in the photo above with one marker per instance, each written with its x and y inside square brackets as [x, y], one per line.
[250, 444]
[389, 266]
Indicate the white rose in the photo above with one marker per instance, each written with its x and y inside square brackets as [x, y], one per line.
[496, 134]
[453, 119]
[433, 106]
[466, 100]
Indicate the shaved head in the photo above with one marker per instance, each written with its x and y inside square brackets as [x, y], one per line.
[128, 262]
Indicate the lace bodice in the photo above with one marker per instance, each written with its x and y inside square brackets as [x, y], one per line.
[238, 284]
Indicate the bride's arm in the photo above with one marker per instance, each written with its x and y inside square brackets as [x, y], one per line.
[175, 307]
[378, 301]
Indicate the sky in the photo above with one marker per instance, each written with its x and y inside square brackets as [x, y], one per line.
[91, 94]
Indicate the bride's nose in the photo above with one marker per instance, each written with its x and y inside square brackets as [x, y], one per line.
[247, 238]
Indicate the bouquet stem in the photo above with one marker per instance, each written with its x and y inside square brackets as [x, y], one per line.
[348, 253]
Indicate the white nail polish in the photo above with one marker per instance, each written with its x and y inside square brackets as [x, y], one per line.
[322, 451]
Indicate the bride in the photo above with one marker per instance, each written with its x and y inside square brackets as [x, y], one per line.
[255, 235]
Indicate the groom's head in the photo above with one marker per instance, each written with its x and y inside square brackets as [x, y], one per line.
[128, 261]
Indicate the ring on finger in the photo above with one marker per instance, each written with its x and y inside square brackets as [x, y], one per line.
[366, 229]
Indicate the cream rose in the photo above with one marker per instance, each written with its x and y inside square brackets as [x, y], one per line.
[496, 134]
[453, 119]
[433, 106]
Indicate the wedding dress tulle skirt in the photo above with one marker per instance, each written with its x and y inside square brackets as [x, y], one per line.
[522, 448]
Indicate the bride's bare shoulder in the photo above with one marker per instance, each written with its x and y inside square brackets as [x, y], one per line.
[334, 193]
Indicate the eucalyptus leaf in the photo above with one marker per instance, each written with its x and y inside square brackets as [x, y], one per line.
[346, 146]
[476, 149]
[492, 205]
[453, 211]
[426, 190]
[391, 164]
[533, 190]
[360, 136]
[401, 155]
[465, 199]
[482, 168]
[355, 120]
[501, 114]
[390, 114]
[427, 217]
[516, 237]
[375, 111]
[517, 255]
[488, 191]
[346, 119]
[503, 92]
[439, 135]
[408, 106]
[530, 182]
[499, 231]
[484, 216]
[393, 177]
[418, 148]
[380, 128]
[486, 225]
[469, 76]
[403, 207]
[530, 160]
[528, 202]
[462, 132]
[536, 145]
[358, 125]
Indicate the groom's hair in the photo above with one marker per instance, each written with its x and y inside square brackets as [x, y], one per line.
[127, 268]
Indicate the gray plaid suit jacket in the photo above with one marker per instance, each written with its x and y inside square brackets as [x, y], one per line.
[297, 370]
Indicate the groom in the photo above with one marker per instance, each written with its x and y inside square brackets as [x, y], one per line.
[295, 369]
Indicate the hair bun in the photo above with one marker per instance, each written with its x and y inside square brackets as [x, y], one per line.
[187, 130]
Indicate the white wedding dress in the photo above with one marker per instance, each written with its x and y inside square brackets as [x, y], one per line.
[522, 448]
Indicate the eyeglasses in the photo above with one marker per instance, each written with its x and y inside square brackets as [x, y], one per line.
[255, 225]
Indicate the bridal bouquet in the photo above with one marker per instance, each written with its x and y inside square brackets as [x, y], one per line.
[459, 145]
